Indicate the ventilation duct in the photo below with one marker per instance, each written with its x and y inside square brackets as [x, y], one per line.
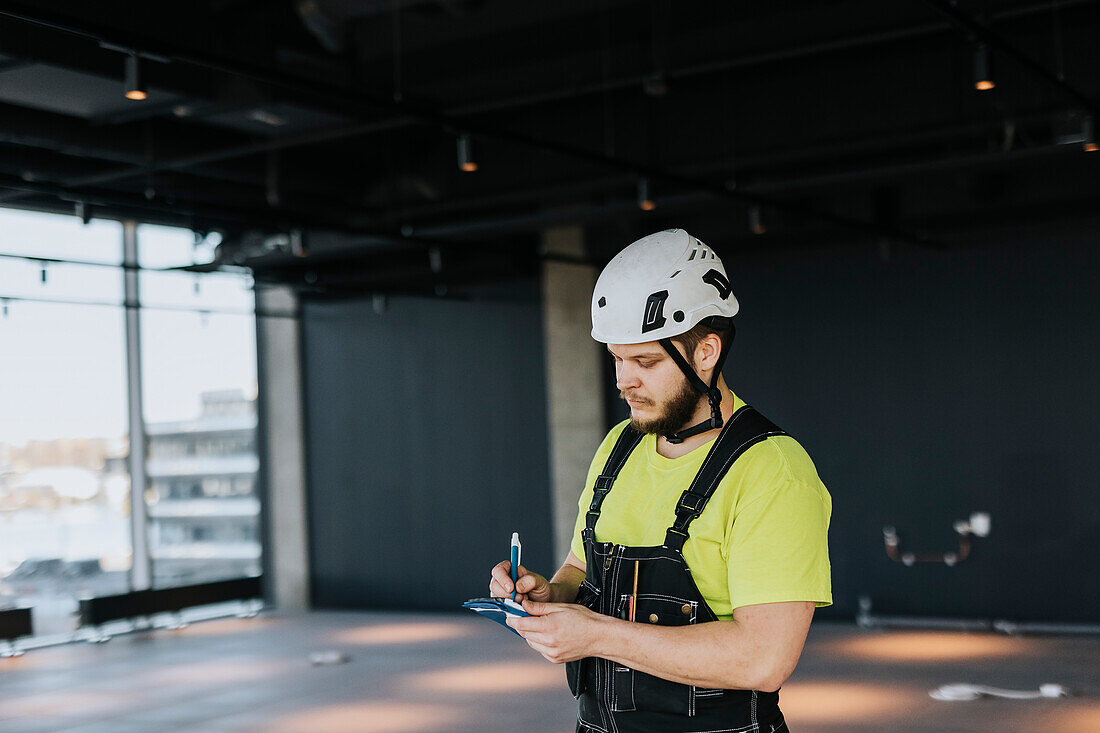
[328, 19]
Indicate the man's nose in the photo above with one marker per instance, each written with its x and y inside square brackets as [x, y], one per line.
[626, 378]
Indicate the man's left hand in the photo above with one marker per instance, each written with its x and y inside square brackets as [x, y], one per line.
[561, 632]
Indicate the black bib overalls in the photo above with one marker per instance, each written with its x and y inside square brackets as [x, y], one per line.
[617, 699]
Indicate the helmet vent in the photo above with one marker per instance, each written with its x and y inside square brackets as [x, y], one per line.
[673, 274]
[692, 256]
[601, 302]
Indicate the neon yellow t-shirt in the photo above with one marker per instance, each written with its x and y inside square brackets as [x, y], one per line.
[762, 538]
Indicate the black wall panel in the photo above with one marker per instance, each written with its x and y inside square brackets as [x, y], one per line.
[427, 446]
[927, 385]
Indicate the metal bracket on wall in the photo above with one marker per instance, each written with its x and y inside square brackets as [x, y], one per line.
[978, 526]
[866, 620]
[8, 649]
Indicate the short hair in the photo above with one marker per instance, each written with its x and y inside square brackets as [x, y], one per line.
[690, 339]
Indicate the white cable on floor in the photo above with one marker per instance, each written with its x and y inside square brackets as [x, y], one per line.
[973, 692]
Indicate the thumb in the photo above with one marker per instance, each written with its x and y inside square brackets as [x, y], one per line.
[529, 582]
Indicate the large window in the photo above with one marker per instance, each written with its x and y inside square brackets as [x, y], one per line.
[64, 484]
[66, 529]
[198, 355]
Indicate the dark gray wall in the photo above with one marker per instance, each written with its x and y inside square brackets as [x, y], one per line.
[427, 446]
[925, 385]
[928, 385]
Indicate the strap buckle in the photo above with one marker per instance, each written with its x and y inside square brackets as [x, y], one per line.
[692, 503]
[675, 538]
[599, 491]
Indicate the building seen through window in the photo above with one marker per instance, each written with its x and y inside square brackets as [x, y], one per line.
[202, 506]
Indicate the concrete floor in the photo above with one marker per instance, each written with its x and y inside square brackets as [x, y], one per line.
[445, 673]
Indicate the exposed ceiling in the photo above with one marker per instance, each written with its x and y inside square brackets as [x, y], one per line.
[807, 121]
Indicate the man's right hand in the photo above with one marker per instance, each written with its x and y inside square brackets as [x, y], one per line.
[528, 585]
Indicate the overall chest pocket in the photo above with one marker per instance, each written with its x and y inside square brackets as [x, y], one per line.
[633, 690]
[589, 597]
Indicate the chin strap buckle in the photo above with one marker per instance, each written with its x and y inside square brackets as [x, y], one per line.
[714, 396]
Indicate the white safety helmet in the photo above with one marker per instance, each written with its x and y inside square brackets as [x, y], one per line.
[660, 286]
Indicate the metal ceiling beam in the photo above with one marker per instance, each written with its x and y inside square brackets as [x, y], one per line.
[745, 61]
[136, 203]
[497, 105]
[206, 215]
[67, 136]
[789, 155]
[590, 213]
[362, 101]
[449, 118]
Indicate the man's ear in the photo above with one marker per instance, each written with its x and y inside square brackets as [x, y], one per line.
[707, 352]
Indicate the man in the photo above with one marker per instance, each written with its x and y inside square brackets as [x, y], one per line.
[700, 548]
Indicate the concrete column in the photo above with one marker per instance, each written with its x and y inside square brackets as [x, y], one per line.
[278, 342]
[574, 376]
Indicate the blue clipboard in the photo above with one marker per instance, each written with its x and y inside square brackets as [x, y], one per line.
[497, 609]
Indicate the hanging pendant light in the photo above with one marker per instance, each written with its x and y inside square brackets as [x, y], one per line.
[135, 87]
[983, 80]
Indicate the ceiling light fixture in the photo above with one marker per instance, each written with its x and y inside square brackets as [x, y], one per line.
[645, 201]
[465, 157]
[983, 80]
[756, 221]
[265, 117]
[135, 87]
[1088, 132]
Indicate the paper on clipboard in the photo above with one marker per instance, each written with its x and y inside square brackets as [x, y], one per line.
[497, 609]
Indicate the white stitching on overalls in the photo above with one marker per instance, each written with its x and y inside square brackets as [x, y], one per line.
[632, 695]
[737, 453]
[609, 676]
[622, 462]
[710, 454]
[613, 687]
[612, 702]
[664, 597]
[742, 729]
[592, 725]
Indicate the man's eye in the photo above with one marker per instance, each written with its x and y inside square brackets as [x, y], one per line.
[646, 364]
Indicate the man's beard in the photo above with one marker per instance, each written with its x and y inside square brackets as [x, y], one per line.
[678, 411]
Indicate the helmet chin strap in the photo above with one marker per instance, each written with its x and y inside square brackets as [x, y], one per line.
[714, 395]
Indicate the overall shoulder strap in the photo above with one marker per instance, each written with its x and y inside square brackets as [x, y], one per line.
[745, 429]
[624, 446]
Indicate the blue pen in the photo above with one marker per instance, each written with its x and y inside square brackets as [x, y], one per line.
[517, 549]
